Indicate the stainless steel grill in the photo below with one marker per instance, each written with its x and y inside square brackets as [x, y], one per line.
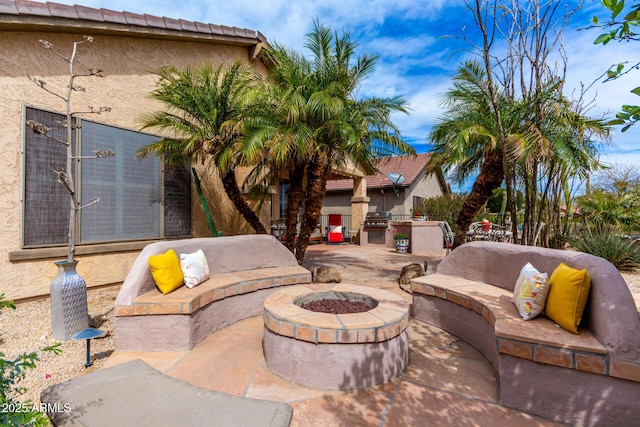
[378, 220]
[375, 227]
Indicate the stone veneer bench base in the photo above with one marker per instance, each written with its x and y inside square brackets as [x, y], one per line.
[542, 368]
[245, 271]
[134, 394]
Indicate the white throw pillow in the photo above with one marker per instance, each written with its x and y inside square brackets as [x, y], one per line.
[530, 292]
[194, 268]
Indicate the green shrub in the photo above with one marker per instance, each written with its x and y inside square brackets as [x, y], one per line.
[603, 208]
[443, 208]
[622, 252]
[494, 204]
[12, 371]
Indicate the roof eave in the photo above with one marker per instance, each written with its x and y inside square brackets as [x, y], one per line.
[81, 26]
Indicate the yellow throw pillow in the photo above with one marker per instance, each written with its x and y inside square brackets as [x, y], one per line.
[567, 296]
[165, 269]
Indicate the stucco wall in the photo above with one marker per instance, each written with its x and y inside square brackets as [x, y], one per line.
[126, 62]
[338, 202]
[226, 217]
[424, 186]
[387, 200]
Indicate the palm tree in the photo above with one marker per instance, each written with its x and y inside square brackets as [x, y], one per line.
[203, 113]
[466, 137]
[551, 137]
[311, 123]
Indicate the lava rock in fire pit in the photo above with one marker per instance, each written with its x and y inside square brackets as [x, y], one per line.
[336, 306]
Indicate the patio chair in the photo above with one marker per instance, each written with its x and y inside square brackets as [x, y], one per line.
[498, 233]
[447, 235]
[278, 229]
[477, 232]
[335, 229]
[488, 231]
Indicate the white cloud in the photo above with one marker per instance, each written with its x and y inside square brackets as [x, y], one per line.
[588, 62]
[426, 108]
[414, 61]
[278, 18]
[391, 47]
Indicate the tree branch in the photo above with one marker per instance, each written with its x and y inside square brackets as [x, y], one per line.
[40, 129]
[92, 201]
[41, 84]
[97, 155]
[93, 110]
[64, 180]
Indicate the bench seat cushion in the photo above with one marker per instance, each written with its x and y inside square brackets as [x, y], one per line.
[495, 305]
[134, 394]
[189, 300]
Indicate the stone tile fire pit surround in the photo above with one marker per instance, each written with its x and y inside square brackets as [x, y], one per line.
[336, 351]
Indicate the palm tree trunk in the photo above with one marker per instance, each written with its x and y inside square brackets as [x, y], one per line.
[490, 177]
[295, 194]
[513, 209]
[512, 195]
[235, 195]
[316, 190]
[211, 223]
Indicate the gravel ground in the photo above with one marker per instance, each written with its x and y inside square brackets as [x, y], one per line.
[633, 281]
[28, 328]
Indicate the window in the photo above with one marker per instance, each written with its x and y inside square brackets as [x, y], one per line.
[417, 203]
[283, 187]
[139, 199]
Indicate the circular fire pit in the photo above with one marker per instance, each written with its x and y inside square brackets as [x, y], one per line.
[336, 351]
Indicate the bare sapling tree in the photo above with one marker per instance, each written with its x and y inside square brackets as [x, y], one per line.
[555, 125]
[65, 175]
[539, 140]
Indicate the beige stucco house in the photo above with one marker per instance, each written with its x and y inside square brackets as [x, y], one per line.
[380, 194]
[140, 200]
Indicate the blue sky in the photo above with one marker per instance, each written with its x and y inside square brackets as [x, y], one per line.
[416, 61]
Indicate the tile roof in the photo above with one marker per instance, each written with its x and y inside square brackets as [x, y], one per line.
[82, 17]
[410, 167]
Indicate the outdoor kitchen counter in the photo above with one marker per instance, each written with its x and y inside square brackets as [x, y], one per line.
[425, 237]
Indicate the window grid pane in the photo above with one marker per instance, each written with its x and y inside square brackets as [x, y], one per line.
[128, 187]
[132, 204]
[46, 202]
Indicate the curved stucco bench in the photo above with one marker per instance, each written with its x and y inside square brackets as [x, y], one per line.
[588, 379]
[245, 270]
[134, 394]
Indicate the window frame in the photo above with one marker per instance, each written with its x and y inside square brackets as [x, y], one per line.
[102, 245]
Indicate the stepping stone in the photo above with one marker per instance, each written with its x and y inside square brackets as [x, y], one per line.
[135, 394]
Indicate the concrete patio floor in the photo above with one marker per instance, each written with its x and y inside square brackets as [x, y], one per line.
[447, 382]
